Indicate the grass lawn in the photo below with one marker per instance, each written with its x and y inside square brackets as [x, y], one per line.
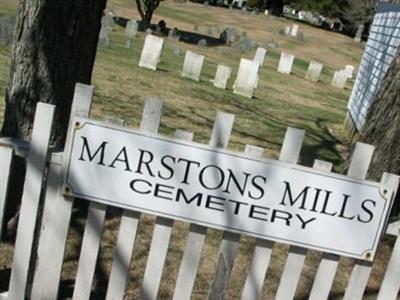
[279, 101]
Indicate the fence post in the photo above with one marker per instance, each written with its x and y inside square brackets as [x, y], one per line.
[36, 165]
[57, 212]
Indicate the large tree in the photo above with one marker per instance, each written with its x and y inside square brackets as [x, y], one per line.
[382, 126]
[54, 47]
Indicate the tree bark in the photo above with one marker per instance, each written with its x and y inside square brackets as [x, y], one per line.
[54, 47]
[382, 127]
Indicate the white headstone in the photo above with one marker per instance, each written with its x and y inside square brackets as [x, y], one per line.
[246, 78]
[266, 12]
[349, 69]
[295, 29]
[192, 65]
[260, 56]
[131, 29]
[151, 52]
[339, 79]
[359, 33]
[130, 32]
[314, 71]
[285, 63]
[222, 76]
[107, 24]
[287, 30]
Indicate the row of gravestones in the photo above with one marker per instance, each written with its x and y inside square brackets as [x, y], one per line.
[248, 73]
[107, 25]
[7, 24]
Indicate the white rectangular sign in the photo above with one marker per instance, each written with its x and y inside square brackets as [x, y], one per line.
[226, 190]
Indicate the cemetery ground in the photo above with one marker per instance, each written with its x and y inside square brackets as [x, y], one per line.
[279, 101]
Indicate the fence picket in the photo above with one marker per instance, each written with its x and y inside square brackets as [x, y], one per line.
[36, 165]
[296, 257]
[130, 220]
[358, 169]
[391, 281]
[228, 249]
[57, 212]
[290, 152]
[6, 155]
[159, 246]
[191, 257]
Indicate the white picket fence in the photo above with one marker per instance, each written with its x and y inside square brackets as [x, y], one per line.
[57, 211]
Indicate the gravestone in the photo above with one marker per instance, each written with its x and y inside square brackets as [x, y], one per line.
[151, 52]
[314, 71]
[359, 33]
[195, 27]
[107, 24]
[271, 43]
[148, 31]
[173, 34]
[246, 79]
[294, 31]
[260, 56]
[222, 76]
[202, 43]
[349, 69]
[245, 44]
[192, 65]
[285, 63]
[130, 32]
[287, 30]
[7, 24]
[339, 79]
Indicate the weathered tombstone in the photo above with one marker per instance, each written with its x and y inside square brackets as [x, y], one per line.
[246, 79]
[314, 71]
[195, 27]
[130, 32]
[349, 69]
[202, 43]
[260, 56]
[359, 33]
[295, 29]
[285, 63]
[107, 24]
[148, 31]
[271, 43]
[287, 30]
[7, 24]
[222, 76]
[151, 52]
[245, 44]
[339, 79]
[192, 65]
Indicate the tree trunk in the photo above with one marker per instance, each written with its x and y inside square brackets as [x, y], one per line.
[54, 47]
[382, 126]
